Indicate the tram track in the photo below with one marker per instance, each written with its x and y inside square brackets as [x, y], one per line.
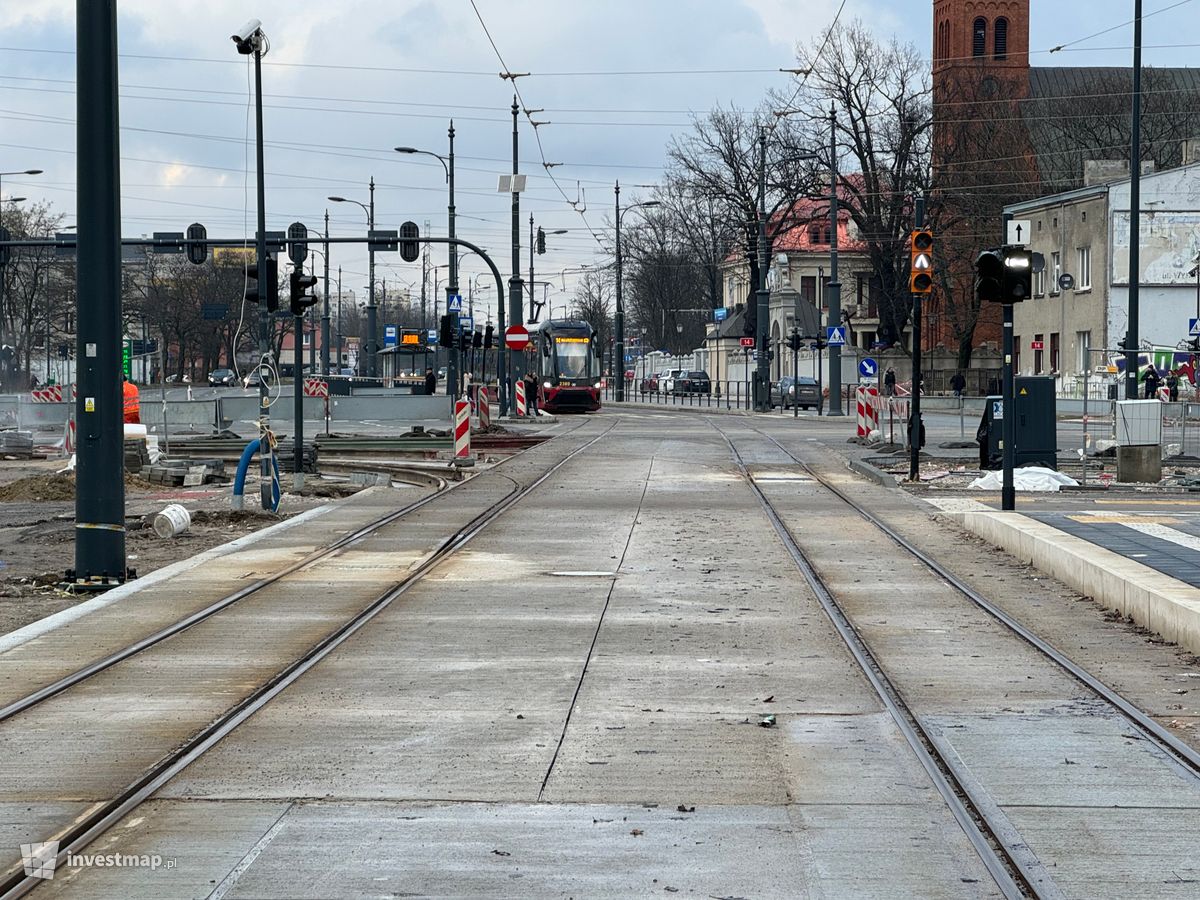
[99, 817]
[991, 835]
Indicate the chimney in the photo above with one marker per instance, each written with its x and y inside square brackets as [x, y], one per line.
[1191, 151]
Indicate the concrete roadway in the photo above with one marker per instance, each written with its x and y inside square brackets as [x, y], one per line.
[573, 706]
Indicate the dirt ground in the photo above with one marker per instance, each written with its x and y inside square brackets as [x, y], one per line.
[37, 529]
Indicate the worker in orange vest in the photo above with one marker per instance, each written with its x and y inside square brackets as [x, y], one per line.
[132, 403]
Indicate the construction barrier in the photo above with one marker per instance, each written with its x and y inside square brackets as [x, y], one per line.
[867, 402]
[316, 387]
[462, 429]
[520, 396]
[483, 407]
[53, 393]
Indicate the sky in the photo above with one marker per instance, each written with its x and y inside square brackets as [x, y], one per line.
[346, 81]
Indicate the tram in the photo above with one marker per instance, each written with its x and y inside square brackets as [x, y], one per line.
[567, 363]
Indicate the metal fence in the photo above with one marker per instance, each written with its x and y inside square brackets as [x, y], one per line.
[722, 394]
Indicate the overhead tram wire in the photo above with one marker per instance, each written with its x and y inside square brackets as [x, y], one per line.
[1118, 27]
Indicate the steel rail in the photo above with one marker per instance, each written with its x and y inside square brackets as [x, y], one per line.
[943, 773]
[90, 825]
[1151, 730]
[179, 626]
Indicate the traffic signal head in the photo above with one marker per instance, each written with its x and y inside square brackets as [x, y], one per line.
[794, 341]
[489, 335]
[921, 273]
[476, 339]
[1017, 283]
[298, 287]
[255, 291]
[446, 331]
[989, 275]
[410, 245]
[541, 241]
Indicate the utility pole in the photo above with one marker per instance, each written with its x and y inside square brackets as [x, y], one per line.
[532, 287]
[339, 318]
[914, 428]
[619, 316]
[100, 498]
[266, 473]
[835, 286]
[325, 314]
[1132, 337]
[762, 388]
[372, 323]
[516, 290]
[1008, 425]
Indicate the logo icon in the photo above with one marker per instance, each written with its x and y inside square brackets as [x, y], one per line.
[40, 859]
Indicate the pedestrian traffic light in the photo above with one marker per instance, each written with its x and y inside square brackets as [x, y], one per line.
[299, 284]
[920, 279]
[255, 289]
[989, 276]
[541, 241]
[489, 334]
[446, 331]
[1017, 282]
[476, 339]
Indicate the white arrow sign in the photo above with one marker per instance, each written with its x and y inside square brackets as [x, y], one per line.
[1019, 232]
[922, 261]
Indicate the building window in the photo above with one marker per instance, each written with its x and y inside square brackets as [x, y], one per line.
[1039, 283]
[1083, 342]
[1001, 38]
[1038, 344]
[1055, 271]
[1054, 351]
[979, 45]
[808, 288]
[1084, 282]
[306, 339]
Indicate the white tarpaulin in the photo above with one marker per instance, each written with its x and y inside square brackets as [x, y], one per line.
[1030, 478]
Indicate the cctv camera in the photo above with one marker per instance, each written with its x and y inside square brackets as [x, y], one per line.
[247, 31]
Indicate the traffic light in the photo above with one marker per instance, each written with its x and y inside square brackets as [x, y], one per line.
[488, 336]
[920, 279]
[541, 241]
[446, 331]
[989, 276]
[794, 341]
[299, 284]
[1017, 282]
[410, 244]
[254, 291]
[476, 339]
[464, 340]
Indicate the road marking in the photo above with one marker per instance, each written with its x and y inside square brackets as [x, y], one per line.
[1116, 518]
[1167, 534]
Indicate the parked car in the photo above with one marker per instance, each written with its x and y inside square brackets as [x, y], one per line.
[649, 384]
[693, 381]
[253, 379]
[666, 379]
[221, 377]
[802, 392]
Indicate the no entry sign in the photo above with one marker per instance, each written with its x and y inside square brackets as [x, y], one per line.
[516, 337]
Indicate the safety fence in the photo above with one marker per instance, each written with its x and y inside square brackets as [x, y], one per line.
[717, 394]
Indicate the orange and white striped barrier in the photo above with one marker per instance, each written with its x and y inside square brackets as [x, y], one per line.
[462, 429]
[51, 394]
[316, 387]
[483, 407]
[867, 403]
[520, 397]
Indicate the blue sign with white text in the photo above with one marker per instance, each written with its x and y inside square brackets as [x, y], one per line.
[389, 335]
[720, 314]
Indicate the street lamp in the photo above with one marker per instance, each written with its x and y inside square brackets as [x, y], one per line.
[541, 243]
[370, 349]
[452, 287]
[620, 314]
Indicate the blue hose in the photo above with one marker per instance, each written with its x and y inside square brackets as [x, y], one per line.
[239, 481]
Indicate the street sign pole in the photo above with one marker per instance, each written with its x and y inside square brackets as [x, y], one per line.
[1008, 425]
[914, 426]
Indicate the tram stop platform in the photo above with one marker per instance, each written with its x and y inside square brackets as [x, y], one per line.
[1137, 555]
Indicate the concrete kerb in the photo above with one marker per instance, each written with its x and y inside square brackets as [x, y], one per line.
[49, 623]
[871, 473]
[1151, 599]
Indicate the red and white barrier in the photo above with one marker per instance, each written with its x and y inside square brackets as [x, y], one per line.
[483, 407]
[51, 394]
[462, 429]
[867, 402]
[316, 387]
[69, 437]
[520, 396]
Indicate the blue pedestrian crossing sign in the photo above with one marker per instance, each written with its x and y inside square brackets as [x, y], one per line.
[835, 336]
[1193, 327]
[868, 368]
[454, 304]
[466, 323]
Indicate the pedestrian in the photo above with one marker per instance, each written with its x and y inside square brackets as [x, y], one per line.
[1173, 385]
[131, 402]
[889, 382]
[1151, 382]
[430, 381]
[958, 384]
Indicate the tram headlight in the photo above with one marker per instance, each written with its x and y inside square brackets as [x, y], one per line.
[597, 385]
[546, 384]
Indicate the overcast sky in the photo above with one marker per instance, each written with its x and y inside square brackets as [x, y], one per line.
[345, 82]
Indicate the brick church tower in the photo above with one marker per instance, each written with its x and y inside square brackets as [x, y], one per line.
[980, 148]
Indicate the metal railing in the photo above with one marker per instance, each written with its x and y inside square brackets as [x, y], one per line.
[720, 394]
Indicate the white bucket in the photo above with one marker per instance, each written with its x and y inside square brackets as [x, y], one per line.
[173, 520]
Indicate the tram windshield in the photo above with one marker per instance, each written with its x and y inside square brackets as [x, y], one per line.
[574, 357]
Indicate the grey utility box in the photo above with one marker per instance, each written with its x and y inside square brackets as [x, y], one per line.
[1036, 428]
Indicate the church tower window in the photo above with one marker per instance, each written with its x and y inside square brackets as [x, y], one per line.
[979, 42]
[1001, 38]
